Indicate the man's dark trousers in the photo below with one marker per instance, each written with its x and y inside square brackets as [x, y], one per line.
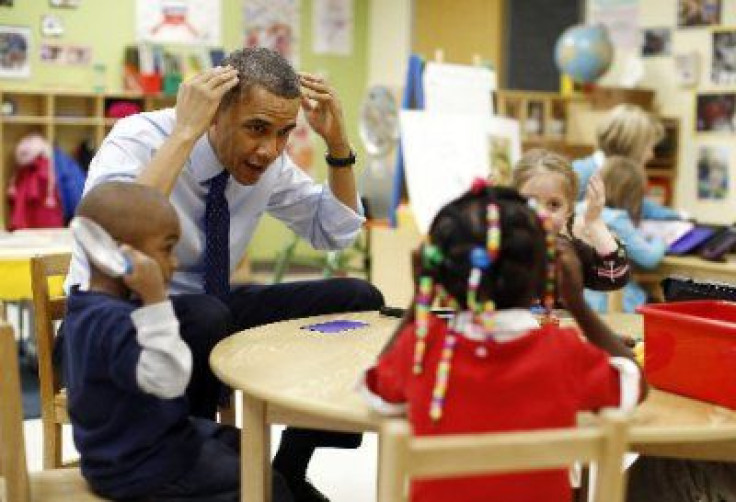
[204, 321]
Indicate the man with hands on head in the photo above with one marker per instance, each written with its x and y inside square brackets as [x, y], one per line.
[220, 157]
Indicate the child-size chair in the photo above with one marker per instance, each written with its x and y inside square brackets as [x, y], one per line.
[404, 456]
[48, 311]
[16, 483]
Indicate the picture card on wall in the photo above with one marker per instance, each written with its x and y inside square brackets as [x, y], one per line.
[687, 69]
[698, 12]
[15, 46]
[723, 66]
[51, 26]
[66, 4]
[713, 172]
[655, 42]
[716, 112]
[179, 21]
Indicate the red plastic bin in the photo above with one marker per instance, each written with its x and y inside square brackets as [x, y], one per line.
[690, 349]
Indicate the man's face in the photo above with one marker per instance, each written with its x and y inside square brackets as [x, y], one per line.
[252, 132]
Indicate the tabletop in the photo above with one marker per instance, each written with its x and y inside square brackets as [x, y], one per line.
[16, 250]
[316, 374]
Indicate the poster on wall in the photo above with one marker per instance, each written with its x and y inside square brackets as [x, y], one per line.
[713, 172]
[504, 148]
[621, 18]
[698, 12]
[723, 69]
[15, 45]
[687, 69]
[716, 112]
[70, 55]
[332, 29]
[51, 26]
[64, 4]
[655, 42]
[273, 24]
[179, 21]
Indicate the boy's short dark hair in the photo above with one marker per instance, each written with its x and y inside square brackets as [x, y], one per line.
[517, 276]
[258, 66]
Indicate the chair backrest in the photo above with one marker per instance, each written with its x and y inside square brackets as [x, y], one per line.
[48, 309]
[12, 445]
[404, 457]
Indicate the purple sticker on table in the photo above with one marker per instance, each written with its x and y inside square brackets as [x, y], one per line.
[336, 326]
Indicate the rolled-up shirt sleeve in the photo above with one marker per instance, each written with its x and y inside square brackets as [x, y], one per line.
[312, 210]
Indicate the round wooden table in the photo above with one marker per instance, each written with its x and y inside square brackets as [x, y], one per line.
[289, 375]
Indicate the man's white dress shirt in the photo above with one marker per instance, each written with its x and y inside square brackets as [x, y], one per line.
[284, 191]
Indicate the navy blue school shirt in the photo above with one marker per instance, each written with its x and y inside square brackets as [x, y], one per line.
[130, 442]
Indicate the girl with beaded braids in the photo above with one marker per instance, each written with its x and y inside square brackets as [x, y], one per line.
[492, 367]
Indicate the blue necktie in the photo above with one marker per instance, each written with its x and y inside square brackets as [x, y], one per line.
[217, 238]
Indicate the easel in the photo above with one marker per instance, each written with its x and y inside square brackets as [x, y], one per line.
[413, 99]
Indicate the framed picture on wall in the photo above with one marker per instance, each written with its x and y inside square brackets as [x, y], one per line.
[713, 169]
[15, 49]
[66, 4]
[698, 12]
[723, 66]
[715, 112]
[655, 42]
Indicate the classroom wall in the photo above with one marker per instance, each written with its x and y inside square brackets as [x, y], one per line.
[109, 25]
[672, 100]
[389, 42]
[475, 30]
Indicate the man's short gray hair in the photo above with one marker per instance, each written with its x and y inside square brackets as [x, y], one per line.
[261, 67]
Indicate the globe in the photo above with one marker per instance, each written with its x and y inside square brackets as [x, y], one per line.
[584, 52]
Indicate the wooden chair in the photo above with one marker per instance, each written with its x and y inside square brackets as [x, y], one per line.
[17, 484]
[403, 456]
[48, 310]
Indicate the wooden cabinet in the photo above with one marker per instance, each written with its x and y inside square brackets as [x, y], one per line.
[543, 120]
[64, 119]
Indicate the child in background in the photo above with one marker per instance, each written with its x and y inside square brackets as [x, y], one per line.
[627, 131]
[624, 184]
[127, 368]
[491, 367]
[548, 178]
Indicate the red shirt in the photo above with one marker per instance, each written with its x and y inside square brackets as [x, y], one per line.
[538, 380]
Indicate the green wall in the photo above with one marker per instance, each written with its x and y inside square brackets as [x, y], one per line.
[109, 25]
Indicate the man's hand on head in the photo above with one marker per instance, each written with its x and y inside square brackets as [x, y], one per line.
[323, 111]
[198, 99]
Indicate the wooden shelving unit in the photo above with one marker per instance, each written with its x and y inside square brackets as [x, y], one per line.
[543, 118]
[63, 118]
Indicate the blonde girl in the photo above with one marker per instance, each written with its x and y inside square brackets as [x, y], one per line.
[548, 178]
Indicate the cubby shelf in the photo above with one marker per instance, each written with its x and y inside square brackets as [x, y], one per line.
[63, 118]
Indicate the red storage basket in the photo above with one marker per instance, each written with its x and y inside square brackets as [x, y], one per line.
[690, 349]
